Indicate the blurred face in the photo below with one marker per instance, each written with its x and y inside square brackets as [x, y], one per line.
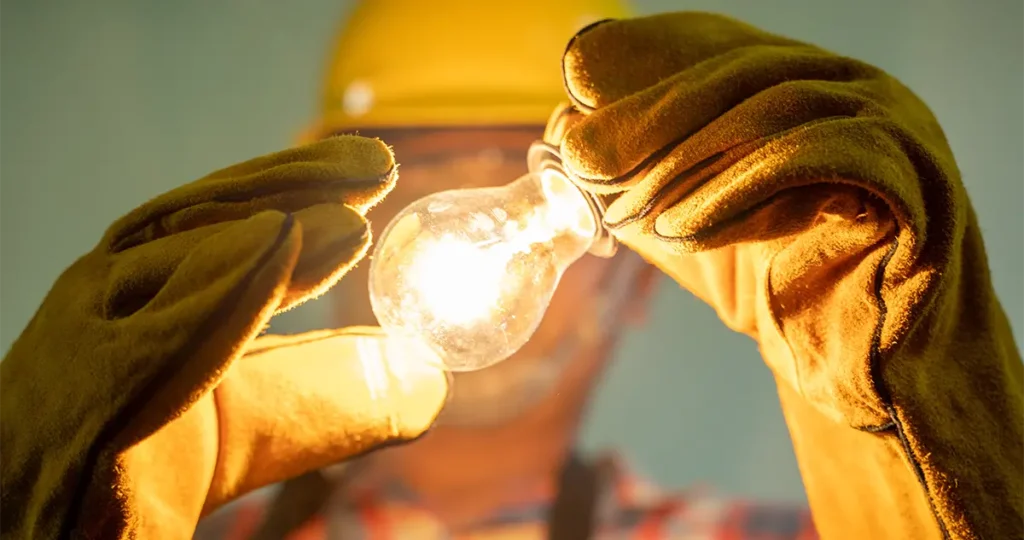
[589, 303]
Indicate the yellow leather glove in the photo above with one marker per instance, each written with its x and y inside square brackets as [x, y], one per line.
[814, 202]
[124, 411]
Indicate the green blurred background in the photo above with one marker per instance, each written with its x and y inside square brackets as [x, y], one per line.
[110, 102]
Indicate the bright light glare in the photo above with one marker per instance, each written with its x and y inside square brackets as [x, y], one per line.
[458, 282]
[469, 273]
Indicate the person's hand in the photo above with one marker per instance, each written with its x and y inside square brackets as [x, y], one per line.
[813, 200]
[136, 399]
[737, 161]
[697, 125]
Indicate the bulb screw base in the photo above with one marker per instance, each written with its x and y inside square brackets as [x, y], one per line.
[545, 157]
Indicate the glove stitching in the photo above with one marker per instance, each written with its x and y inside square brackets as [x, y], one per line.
[669, 187]
[659, 198]
[882, 390]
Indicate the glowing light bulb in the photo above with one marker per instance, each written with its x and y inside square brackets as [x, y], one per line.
[469, 273]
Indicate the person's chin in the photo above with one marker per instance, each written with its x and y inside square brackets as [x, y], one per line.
[499, 394]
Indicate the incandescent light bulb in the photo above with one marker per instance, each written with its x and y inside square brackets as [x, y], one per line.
[469, 273]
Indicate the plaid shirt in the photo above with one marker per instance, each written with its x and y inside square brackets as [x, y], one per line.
[633, 509]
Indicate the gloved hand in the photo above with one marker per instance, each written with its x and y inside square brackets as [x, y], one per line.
[814, 202]
[136, 399]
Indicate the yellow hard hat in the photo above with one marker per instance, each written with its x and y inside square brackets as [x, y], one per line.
[412, 63]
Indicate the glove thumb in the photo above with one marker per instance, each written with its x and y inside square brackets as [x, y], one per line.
[298, 403]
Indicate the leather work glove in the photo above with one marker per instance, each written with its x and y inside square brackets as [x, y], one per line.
[814, 202]
[137, 400]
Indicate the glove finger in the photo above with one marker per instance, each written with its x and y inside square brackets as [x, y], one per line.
[138, 274]
[219, 298]
[696, 116]
[299, 403]
[213, 212]
[334, 238]
[608, 61]
[356, 171]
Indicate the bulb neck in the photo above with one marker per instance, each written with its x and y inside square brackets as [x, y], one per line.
[545, 157]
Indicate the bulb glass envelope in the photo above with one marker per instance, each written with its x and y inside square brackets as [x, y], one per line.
[470, 273]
